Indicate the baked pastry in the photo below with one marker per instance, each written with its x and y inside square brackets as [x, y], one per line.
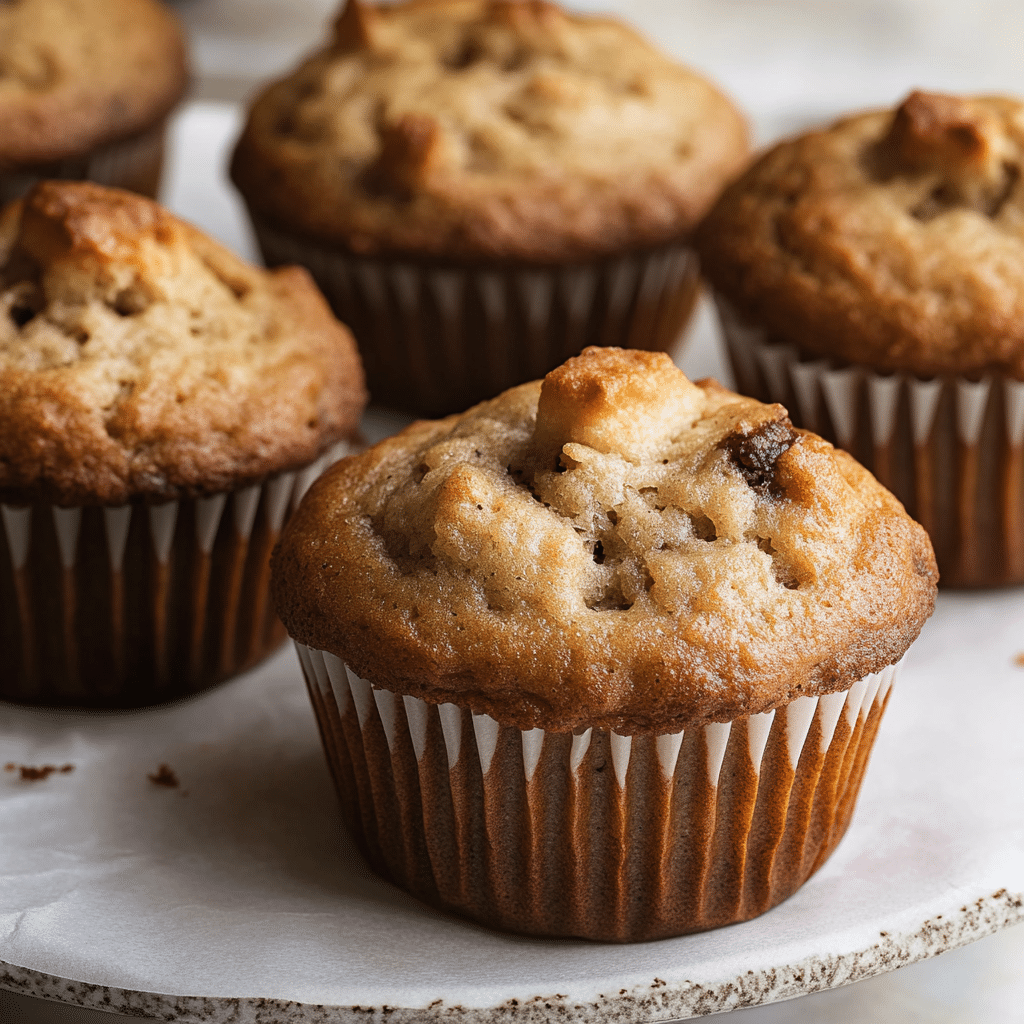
[605, 655]
[484, 187]
[85, 90]
[161, 405]
[871, 276]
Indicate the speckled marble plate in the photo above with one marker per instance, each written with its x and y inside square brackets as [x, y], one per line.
[236, 895]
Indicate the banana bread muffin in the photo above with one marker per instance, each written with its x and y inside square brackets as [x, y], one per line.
[871, 275]
[161, 404]
[482, 187]
[615, 568]
[85, 90]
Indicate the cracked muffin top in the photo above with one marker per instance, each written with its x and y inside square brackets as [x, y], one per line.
[614, 546]
[77, 73]
[140, 359]
[487, 128]
[892, 238]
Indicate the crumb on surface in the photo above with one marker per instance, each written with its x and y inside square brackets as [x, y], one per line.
[1019, 660]
[163, 776]
[34, 773]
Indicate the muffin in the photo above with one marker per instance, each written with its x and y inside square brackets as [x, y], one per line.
[871, 276]
[162, 405]
[85, 90]
[604, 656]
[484, 187]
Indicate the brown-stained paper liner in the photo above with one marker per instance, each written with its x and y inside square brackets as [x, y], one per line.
[134, 163]
[950, 448]
[136, 604]
[439, 337]
[593, 834]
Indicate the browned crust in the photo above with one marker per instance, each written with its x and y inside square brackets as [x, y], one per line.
[412, 190]
[75, 74]
[218, 413]
[890, 239]
[418, 628]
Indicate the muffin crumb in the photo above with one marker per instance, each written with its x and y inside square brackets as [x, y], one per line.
[164, 776]
[31, 773]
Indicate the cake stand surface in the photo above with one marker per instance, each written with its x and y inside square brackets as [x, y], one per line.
[236, 896]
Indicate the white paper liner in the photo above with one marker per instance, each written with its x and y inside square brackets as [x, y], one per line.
[438, 338]
[951, 449]
[134, 163]
[130, 605]
[594, 834]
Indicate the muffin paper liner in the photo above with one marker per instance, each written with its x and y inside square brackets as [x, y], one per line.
[950, 448]
[136, 604]
[593, 834]
[438, 337]
[134, 163]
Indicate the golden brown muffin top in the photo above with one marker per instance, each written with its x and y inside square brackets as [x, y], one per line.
[78, 73]
[487, 128]
[613, 547]
[140, 359]
[894, 239]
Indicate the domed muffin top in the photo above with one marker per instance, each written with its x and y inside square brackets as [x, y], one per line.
[613, 547]
[78, 73]
[892, 238]
[487, 128]
[140, 359]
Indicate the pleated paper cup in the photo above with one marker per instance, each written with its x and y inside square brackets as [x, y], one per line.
[438, 337]
[134, 163]
[138, 604]
[950, 448]
[593, 834]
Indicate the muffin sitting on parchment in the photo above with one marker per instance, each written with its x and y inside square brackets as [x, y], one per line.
[162, 404]
[85, 90]
[605, 656]
[483, 187]
[871, 276]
